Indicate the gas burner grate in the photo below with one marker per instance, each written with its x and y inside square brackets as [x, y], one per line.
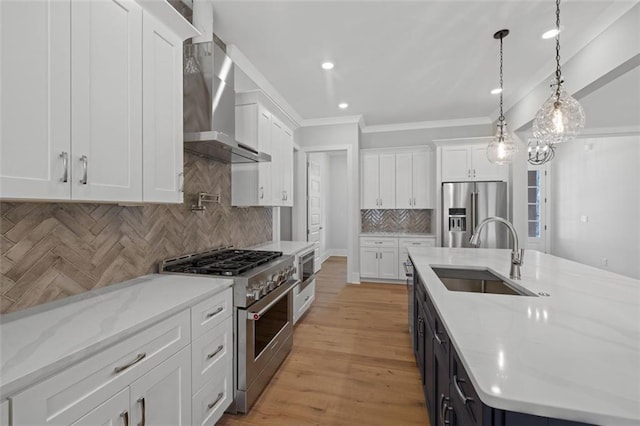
[224, 262]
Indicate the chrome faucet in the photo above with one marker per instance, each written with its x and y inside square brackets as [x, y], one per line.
[517, 254]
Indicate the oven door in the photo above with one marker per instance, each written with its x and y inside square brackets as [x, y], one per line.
[264, 329]
[306, 267]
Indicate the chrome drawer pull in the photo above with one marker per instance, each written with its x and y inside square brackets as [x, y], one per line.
[125, 416]
[85, 165]
[213, 404]
[216, 352]
[212, 314]
[438, 339]
[143, 421]
[463, 397]
[139, 358]
[65, 165]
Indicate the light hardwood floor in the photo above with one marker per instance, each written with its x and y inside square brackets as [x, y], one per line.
[351, 363]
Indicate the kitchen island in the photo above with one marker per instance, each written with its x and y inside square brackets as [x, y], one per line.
[570, 352]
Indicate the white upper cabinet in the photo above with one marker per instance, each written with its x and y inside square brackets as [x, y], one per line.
[413, 180]
[378, 181]
[469, 163]
[162, 149]
[264, 183]
[35, 100]
[72, 107]
[106, 100]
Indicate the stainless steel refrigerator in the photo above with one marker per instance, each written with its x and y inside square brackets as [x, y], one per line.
[465, 204]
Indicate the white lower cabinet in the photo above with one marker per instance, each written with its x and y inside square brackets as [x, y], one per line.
[403, 250]
[379, 258]
[114, 411]
[144, 379]
[302, 299]
[163, 395]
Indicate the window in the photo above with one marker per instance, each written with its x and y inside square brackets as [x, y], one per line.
[533, 203]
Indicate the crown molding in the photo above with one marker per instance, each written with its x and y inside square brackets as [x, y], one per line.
[261, 81]
[420, 125]
[452, 141]
[329, 121]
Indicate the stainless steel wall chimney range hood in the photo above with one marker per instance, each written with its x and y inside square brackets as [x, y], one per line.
[209, 106]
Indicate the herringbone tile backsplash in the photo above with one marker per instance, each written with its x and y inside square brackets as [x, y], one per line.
[53, 250]
[409, 221]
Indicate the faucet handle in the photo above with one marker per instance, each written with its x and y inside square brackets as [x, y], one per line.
[517, 258]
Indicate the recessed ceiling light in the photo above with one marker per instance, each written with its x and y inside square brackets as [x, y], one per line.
[343, 105]
[496, 91]
[550, 34]
[327, 65]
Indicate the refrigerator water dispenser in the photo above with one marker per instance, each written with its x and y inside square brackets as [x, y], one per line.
[458, 220]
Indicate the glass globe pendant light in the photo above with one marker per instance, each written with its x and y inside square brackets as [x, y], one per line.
[502, 147]
[561, 117]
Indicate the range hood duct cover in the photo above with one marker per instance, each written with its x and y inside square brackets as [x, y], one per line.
[209, 106]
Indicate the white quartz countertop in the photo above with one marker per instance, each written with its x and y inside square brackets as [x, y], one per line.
[396, 234]
[286, 247]
[45, 339]
[573, 355]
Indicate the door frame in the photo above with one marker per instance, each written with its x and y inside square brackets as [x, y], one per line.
[353, 206]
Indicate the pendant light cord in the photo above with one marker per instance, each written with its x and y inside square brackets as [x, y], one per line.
[558, 71]
[501, 118]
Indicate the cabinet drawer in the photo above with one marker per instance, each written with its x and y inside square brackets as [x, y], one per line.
[378, 242]
[303, 300]
[209, 403]
[212, 354]
[462, 392]
[208, 314]
[64, 397]
[416, 242]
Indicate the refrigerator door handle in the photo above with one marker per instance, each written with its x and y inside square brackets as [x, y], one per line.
[473, 212]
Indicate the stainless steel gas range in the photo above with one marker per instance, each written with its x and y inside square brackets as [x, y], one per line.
[263, 314]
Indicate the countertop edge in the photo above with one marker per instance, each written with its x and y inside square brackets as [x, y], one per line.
[18, 385]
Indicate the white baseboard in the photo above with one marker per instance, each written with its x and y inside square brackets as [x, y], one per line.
[355, 278]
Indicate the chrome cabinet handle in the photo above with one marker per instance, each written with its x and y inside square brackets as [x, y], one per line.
[216, 352]
[216, 312]
[444, 410]
[181, 182]
[261, 192]
[306, 298]
[143, 421]
[85, 165]
[463, 397]
[414, 201]
[438, 339]
[125, 417]
[213, 404]
[65, 166]
[139, 358]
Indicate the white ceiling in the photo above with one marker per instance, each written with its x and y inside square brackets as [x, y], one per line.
[401, 61]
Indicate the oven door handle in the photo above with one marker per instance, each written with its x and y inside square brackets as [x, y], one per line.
[308, 280]
[256, 315]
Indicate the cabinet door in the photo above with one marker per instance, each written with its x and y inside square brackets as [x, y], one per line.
[114, 411]
[441, 373]
[163, 395]
[456, 164]
[369, 262]
[370, 174]
[422, 178]
[387, 181]
[482, 168]
[287, 167]
[4, 413]
[277, 140]
[265, 195]
[106, 100]
[388, 263]
[35, 70]
[404, 185]
[162, 113]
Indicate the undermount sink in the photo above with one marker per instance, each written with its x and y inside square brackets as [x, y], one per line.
[478, 281]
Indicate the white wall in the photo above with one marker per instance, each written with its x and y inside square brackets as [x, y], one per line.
[337, 213]
[597, 180]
